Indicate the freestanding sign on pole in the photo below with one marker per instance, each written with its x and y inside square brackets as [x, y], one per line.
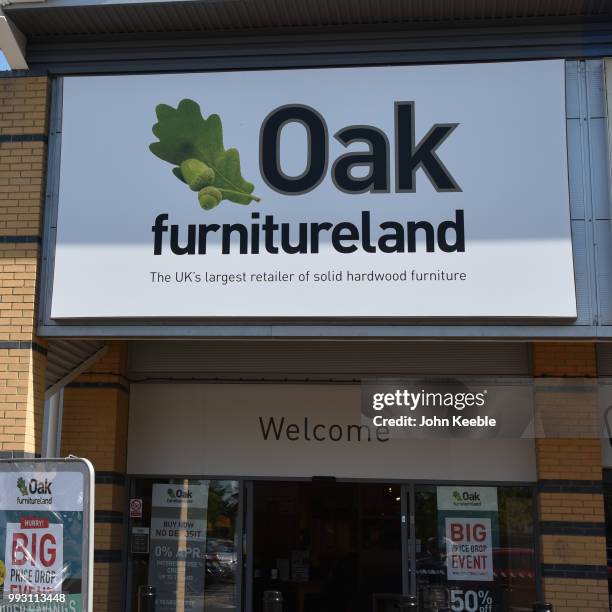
[46, 534]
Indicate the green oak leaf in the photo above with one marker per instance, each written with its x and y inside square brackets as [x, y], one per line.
[184, 134]
[21, 485]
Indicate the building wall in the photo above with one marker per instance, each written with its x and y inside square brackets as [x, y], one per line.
[23, 149]
[95, 426]
[96, 404]
[571, 511]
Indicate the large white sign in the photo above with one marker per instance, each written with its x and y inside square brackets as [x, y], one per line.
[422, 191]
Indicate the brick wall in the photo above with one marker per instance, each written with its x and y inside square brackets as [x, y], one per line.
[571, 511]
[23, 134]
[95, 426]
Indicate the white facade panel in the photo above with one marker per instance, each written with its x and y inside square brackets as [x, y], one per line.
[214, 430]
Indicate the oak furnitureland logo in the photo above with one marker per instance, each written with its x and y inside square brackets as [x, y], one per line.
[34, 491]
[194, 146]
[178, 495]
[21, 485]
[466, 499]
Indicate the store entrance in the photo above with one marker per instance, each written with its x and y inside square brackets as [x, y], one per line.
[327, 546]
[360, 546]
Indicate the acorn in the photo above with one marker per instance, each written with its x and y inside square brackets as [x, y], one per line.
[197, 174]
[209, 197]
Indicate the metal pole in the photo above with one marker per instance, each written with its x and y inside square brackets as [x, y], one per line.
[51, 424]
[59, 422]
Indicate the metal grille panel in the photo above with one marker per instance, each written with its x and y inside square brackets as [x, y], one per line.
[321, 360]
[257, 15]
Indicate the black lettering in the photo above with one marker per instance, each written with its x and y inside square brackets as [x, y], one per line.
[269, 227]
[382, 431]
[458, 226]
[315, 231]
[270, 154]
[277, 429]
[360, 429]
[338, 237]
[392, 242]
[204, 230]
[427, 227]
[411, 157]
[376, 159]
[335, 437]
[302, 244]
[190, 247]
[255, 234]
[228, 229]
[293, 432]
[314, 432]
[158, 228]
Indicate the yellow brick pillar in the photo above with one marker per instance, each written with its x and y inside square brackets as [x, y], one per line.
[94, 426]
[571, 511]
[23, 149]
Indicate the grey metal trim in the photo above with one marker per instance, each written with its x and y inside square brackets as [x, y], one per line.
[416, 481]
[70, 376]
[586, 179]
[50, 4]
[126, 603]
[411, 541]
[537, 544]
[52, 425]
[405, 535]
[498, 10]
[249, 497]
[45, 282]
[87, 65]
[331, 330]
[316, 46]
[240, 554]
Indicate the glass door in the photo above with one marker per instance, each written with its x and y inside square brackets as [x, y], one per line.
[363, 546]
[327, 546]
[473, 548]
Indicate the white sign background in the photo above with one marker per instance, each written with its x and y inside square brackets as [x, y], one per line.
[460, 562]
[473, 498]
[185, 496]
[32, 575]
[67, 492]
[508, 155]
